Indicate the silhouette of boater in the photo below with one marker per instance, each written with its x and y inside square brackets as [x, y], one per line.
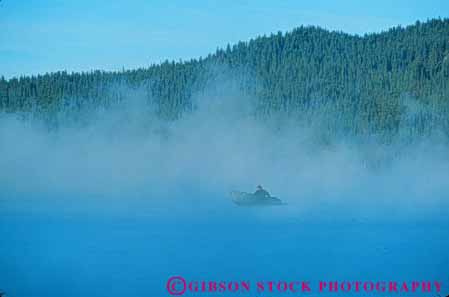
[259, 198]
[261, 192]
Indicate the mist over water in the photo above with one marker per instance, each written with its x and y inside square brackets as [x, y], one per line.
[125, 155]
[121, 202]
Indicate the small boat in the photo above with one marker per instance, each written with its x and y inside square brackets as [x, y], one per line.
[248, 199]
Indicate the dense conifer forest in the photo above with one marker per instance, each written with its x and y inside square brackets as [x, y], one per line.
[388, 83]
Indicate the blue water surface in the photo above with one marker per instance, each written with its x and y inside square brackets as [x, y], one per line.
[48, 250]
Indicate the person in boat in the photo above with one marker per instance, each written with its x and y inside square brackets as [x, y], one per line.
[261, 192]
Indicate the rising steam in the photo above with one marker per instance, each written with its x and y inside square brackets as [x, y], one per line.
[125, 157]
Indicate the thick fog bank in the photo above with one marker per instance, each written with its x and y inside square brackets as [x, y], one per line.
[125, 159]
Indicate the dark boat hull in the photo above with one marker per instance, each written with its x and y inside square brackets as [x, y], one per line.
[248, 199]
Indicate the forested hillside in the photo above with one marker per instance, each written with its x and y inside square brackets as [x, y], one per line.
[373, 84]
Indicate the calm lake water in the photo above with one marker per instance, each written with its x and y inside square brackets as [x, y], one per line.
[67, 251]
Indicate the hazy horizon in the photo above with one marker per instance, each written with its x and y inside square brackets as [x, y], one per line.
[126, 151]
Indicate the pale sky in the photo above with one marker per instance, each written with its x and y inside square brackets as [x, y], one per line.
[39, 36]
